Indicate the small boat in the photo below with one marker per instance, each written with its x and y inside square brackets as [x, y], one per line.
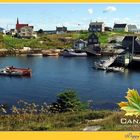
[115, 69]
[34, 54]
[13, 71]
[72, 53]
[104, 64]
[50, 54]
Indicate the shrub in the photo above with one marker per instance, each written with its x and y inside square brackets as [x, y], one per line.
[67, 102]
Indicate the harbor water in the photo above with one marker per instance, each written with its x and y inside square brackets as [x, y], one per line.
[52, 75]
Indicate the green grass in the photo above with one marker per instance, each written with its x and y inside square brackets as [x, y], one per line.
[55, 41]
[70, 121]
[11, 42]
[57, 121]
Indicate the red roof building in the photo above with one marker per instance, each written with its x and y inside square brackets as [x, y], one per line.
[24, 30]
[19, 26]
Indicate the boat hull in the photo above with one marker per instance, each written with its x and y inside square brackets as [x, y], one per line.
[33, 55]
[51, 54]
[73, 54]
[12, 71]
[115, 69]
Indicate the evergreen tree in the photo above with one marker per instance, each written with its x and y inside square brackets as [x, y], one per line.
[67, 101]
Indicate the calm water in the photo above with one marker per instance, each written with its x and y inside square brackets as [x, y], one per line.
[52, 75]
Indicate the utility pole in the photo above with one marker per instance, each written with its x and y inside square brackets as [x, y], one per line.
[79, 31]
[133, 47]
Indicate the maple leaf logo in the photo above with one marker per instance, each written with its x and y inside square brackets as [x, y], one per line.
[132, 107]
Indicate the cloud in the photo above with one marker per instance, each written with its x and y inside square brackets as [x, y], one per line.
[110, 9]
[90, 11]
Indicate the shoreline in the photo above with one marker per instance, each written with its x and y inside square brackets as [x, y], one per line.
[44, 52]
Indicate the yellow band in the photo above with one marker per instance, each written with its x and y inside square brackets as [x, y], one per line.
[70, 135]
[68, 1]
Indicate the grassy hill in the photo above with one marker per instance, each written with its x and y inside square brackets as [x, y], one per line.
[57, 41]
[43, 41]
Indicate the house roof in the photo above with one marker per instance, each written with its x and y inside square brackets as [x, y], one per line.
[12, 30]
[1, 28]
[129, 38]
[61, 28]
[19, 26]
[138, 41]
[120, 25]
[96, 23]
[80, 40]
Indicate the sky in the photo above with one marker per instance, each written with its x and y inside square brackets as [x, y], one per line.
[73, 16]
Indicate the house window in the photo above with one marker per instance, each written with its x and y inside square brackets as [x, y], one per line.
[23, 34]
[90, 29]
[95, 40]
[23, 30]
[90, 40]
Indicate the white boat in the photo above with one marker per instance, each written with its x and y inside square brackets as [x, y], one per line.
[104, 64]
[115, 69]
[72, 53]
[34, 54]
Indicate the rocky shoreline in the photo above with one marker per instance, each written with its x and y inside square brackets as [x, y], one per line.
[44, 52]
[20, 52]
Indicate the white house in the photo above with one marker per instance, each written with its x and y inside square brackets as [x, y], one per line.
[132, 28]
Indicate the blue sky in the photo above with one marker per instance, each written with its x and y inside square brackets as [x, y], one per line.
[48, 16]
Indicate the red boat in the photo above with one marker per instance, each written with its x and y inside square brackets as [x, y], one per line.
[13, 71]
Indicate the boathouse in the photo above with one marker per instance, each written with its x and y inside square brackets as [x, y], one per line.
[128, 42]
[93, 39]
[93, 46]
[79, 44]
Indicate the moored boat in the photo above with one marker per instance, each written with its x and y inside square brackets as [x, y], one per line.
[34, 54]
[115, 69]
[50, 54]
[13, 71]
[72, 53]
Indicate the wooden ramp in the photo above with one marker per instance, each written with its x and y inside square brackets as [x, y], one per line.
[91, 50]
